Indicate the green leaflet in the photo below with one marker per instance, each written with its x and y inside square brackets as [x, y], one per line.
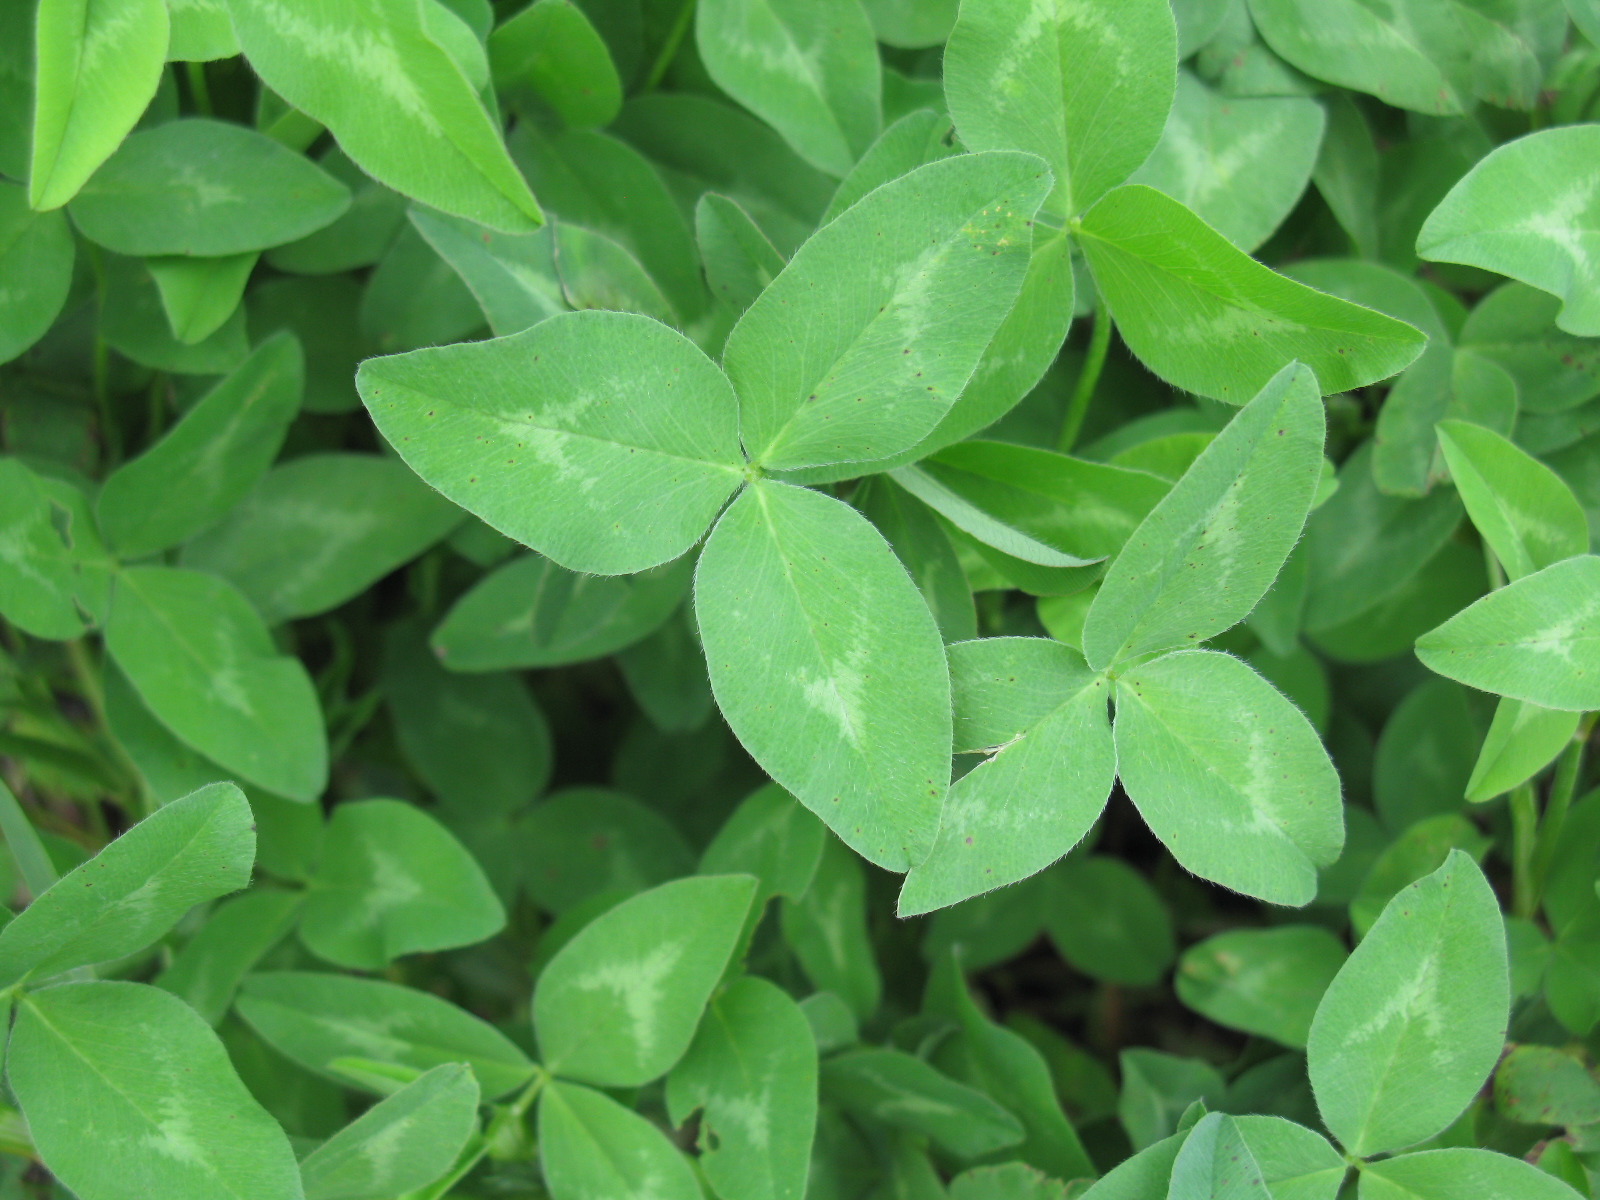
[414, 299]
[201, 31]
[1261, 981]
[1013, 363]
[593, 180]
[402, 1143]
[773, 838]
[1240, 63]
[1445, 1174]
[666, 675]
[1424, 754]
[807, 67]
[200, 294]
[1009, 1181]
[1210, 549]
[751, 1071]
[861, 345]
[1215, 1163]
[207, 462]
[134, 322]
[532, 613]
[827, 929]
[989, 929]
[162, 1092]
[1007, 1067]
[833, 1025]
[207, 971]
[1363, 546]
[1294, 1160]
[24, 845]
[204, 664]
[584, 841]
[597, 272]
[54, 572]
[1418, 851]
[392, 881]
[206, 188]
[934, 488]
[1198, 22]
[168, 770]
[850, 714]
[902, 1090]
[318, 1019]
[1228, 774]
[925, 550]
[1346, 173]
[1522, 741]
[1143, 1175]
[1039, 714]
[1238, 164]
[1535, 640]
[512, 275]
[320, 529]
[1438, 384]
[740, 261]
[724, 149]
[1531, 210]
[1035, 504]
[911, 23]
[395, 99]
[1086, 87]
[606, 441]
[1107, 921]
[97, 63]
[551, 47]
[1515, 327]
[1585, 15]
[591, 1148]
[135, 889]
[914, 140]
[1206, 317]
[322, 314]
[1433, 56]
[1414, 1021]
[1525, 512]
[36, 253]
[642, 974]
[478, 741]
[357, 239]
[1159, 1094]
[1541, 1085]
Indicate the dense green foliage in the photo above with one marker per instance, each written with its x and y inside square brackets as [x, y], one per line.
[799, 599]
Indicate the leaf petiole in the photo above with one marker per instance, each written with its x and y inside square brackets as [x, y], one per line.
[1083, 390]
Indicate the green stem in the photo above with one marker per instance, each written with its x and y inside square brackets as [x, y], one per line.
[295, 130]
[1568, 768]
[88, 679]
[199, 92]
[1524, 837]
[476, 1149]
[90, 683]
[1083, 391]
[669, 48]
[100, 363]
[1491, 564]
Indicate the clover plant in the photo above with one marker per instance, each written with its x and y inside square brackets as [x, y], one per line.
[799, 599]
